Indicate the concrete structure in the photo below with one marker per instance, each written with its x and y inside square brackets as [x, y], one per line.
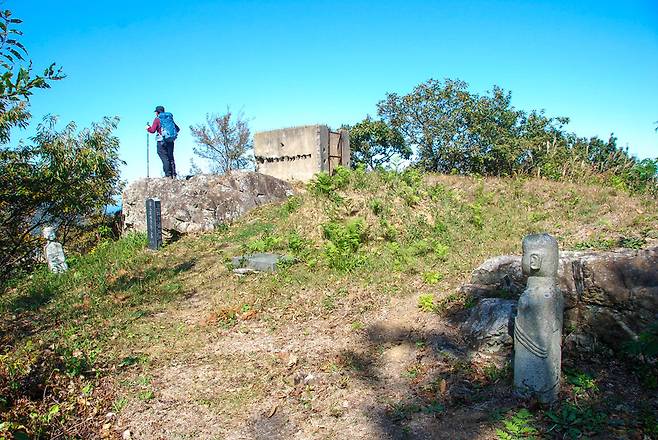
[262, 262]
[298, 153]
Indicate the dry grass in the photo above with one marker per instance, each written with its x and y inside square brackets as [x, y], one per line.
[314, 352]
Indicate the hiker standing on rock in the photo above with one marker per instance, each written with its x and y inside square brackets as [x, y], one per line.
[166, 133]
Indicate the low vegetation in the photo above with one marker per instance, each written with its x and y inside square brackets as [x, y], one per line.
[85, 344]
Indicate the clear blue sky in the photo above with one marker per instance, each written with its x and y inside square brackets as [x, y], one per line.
[287, 63]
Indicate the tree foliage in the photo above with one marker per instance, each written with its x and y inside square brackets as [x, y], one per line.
[17, 79]
[61, 177]
[225, 140]
[457, 131]
[374, 143]
[65, 177]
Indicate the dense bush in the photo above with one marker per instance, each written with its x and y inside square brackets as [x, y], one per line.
[374, 144]
[64, 179]
[454, 130]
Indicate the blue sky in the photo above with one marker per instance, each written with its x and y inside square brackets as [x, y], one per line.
[288, 63]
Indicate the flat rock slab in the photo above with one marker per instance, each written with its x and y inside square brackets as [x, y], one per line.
[263, 262]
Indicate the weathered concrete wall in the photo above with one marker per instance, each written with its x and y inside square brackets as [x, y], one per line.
[298, 153]
[290, 153]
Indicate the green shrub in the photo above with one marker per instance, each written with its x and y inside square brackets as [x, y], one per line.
[299, 246]
[291, 205]
[582, 383]
[322, 184]
[432, 277]
[377, 206]
[325, 184]
[517, 426]
[341, 177]
[574, 422]
[344, 243]
[426, 302]
[266, 243]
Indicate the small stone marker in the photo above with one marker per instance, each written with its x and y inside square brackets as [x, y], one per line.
[538, 324]
[54, 252]
[154, 223]
[263, 262]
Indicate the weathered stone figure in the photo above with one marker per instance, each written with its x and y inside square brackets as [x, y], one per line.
[54, 252]
[538, 324]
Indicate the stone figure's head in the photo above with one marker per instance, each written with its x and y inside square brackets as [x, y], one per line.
[540, 255]
[48, 232]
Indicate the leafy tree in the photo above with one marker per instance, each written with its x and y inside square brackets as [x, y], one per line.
[374, 143]
[64, 178]
[17, 80]
[455, 130]
[60, 178]
[225, 140]
[433, 119]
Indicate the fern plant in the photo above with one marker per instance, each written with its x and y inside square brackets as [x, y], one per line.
[518, 426]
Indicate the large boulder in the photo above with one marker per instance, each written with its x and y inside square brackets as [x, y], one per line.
[201, 202]
[609, 296]
[490, 323]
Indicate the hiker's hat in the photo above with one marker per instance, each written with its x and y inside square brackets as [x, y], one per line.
[159, 109]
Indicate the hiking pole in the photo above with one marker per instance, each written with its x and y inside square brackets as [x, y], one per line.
[147, 153]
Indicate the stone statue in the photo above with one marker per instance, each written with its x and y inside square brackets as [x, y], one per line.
[538, 324]
[54, 252]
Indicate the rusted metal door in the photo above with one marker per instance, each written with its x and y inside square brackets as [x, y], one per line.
[335, 150]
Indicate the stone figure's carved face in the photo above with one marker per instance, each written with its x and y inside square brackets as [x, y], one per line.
[535, 261]
[48, 233]
[540, 255]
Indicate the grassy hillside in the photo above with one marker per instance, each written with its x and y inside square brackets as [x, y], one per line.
[350, 336]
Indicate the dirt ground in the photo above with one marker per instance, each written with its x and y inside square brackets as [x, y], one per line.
[404, 374]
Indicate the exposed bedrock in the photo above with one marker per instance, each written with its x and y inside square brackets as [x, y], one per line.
[610, 296]
[201, 202]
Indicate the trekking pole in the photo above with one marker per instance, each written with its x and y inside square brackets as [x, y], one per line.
[147, 153]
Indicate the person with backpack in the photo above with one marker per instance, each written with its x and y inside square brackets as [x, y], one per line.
[166, 133]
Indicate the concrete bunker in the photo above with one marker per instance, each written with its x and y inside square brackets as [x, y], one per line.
[298, 153]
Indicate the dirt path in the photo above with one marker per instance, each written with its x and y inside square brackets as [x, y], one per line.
[313, 379]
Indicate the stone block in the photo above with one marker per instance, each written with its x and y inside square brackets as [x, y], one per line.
[262, 262]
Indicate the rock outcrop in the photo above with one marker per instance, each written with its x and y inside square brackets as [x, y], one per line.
[489, 324]
[609, 296]
[201, 202]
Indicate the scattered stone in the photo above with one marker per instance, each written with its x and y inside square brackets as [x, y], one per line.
[243, 271]
[538, 323]
[309, 379]
[497, 270]
[292, 361]
[262, 262]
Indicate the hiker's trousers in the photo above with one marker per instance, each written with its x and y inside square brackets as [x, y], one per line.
[166, 153]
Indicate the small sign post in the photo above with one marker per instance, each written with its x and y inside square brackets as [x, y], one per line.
[154, 223]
